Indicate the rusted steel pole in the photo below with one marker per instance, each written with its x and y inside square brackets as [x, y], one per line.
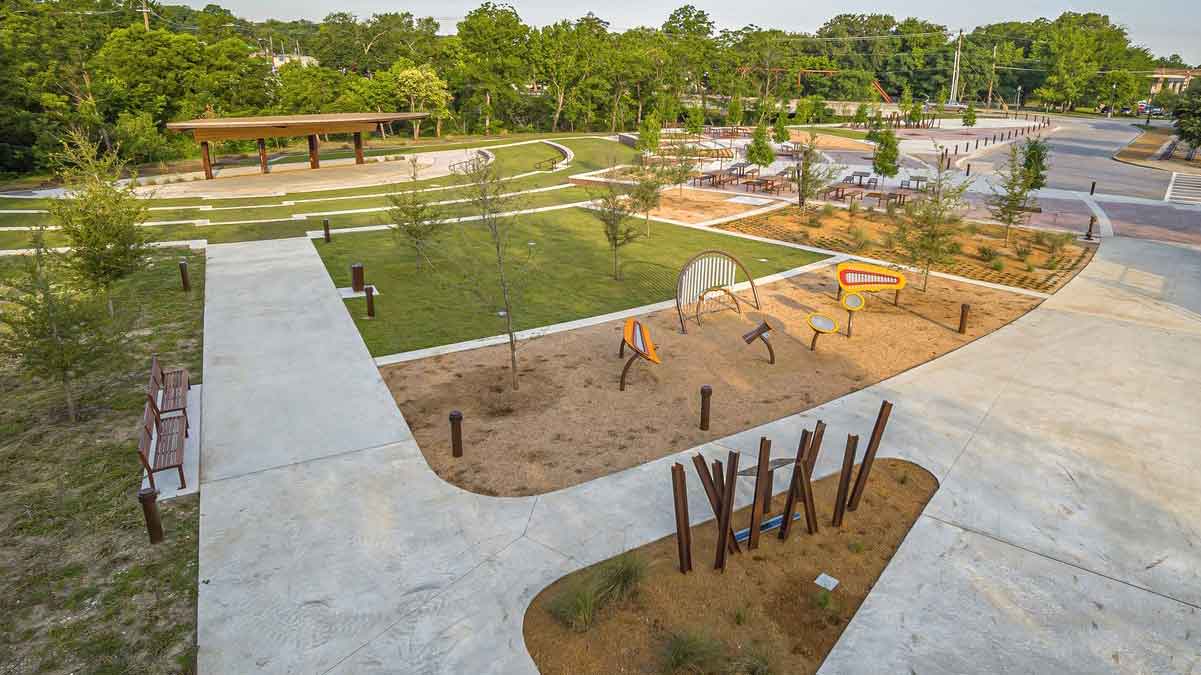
[844, 480]
[370, 291]
[456, 433]
[963, 312]
[762, 491]
[706, 396]
[798, 465]
[184, 279]
[356, 277]
[714, 495]
[870, 455]
[679, 490]
[325, 229]
[154, 526]
[727, 507]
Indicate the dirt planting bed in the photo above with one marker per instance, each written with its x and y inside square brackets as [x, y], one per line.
[568, 423]
[695, 206]
[764, 614]
[1031, 260]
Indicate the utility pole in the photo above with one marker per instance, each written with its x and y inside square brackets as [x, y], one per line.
[1018, 100]
[145, 16]
[955, 72]
[993, 76]
[1112, 95]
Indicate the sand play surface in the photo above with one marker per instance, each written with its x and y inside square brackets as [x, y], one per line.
[696, 206]
[568, 423]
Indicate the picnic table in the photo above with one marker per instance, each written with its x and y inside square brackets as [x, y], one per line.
[860, 176]
[705, 177]
[918, 182]
[750, 184]
[838, 190]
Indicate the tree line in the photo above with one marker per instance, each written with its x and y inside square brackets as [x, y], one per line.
[93, 65]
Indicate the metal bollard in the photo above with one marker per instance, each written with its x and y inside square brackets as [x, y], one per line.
[370, 291]
[325, 229]
[969, 168]
[184, 279]
[1093, 190]
[1092, 222]
[356, 277]
[154, 525]
[963, 312]
[706, 395]
[456, 433]
[977, 143]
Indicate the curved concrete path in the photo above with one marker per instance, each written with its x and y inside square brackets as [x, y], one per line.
[1066, 535]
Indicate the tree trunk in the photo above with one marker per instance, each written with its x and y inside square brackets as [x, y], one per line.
[438, 128]
[616, 269]
[488, 112]
[416, 130]
[72, 412]
[925, 277]
[554, 123]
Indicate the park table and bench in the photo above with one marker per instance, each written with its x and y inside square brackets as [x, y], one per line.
[166, 394]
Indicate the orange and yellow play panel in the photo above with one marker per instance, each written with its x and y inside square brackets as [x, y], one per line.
[635, 336]
[861, 277]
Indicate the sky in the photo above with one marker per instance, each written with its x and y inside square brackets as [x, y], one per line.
[1163, 26]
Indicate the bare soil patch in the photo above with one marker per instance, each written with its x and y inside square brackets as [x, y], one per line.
[568, 423]
[695, 206]
[1031, 260]
[832, 142]
[764, 609]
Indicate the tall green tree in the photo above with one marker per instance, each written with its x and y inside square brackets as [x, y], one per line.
[779, 130]
[648, 135]
[564, 55]
[734, 112]
[1034, 162]
[1187, 114]
[496, 44]
[886, 158]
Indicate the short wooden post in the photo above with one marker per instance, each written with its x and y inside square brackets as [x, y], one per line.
[370, 296]
[356, 277]
[264, 167]
[325, 229]
[963, 312]
[456, 433]
[762, 490]
[358, 147]
[154, 525]
[206, 161]
[727, 507]
[844, 480]
[706, 395]
[184, 279]
[869, 456]
[679, 490]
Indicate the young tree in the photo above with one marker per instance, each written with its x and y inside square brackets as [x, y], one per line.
[486, 264]
[1011, 193]
[969, 115]
[734, 112]
[811, 174]
[417, 218]
[646, 197]
[779, 131]
[927, 235]
[1034, 161]
[887, 155]
[694, 121]
[648, 135]
[680, 166]
[759, 151]
[613, 207]
[876, 126]
[860, 119]
[1187, 112]
[52, 331]
[101, 219]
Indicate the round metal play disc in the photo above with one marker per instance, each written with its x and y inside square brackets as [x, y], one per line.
[822, 323]
[853, 302]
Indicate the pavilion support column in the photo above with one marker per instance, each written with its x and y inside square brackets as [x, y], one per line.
[205, 161]
[263, 156]
[358, 147]
[314, 162]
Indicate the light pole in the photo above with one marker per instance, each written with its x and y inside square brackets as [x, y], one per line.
[1112, 95]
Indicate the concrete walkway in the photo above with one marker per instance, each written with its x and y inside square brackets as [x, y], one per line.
[1066, 534]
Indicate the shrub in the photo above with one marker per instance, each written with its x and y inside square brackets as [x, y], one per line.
[1056, 242]
[739, 616]
[987, 253]
[1023, 252]
[618, 579]
[815, 220]
[855, 547]
[827, 210]
[576, 606]
[998, 265]
[688, 653]
[853, 208]
[1029, 267]
[971, 228]
[955, 248]
[1041, 239]
[890, 210]
[825, 600]
[859, 238]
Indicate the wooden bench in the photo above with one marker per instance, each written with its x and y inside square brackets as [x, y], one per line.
[167, 391]
[166, 438]
[635, 336]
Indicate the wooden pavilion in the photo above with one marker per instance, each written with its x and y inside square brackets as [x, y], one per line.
[276, 126]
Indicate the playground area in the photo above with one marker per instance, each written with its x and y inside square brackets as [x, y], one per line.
[569, 423]
[769, 614]
[1034, 260]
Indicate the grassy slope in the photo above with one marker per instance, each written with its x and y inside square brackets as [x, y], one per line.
[590, 154]
[416, 310]
[82, 590]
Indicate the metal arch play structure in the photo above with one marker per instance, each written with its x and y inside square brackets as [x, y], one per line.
[705, 274]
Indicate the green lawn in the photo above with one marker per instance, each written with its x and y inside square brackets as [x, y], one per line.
[571, 279]
[83, 591]
[590, 154]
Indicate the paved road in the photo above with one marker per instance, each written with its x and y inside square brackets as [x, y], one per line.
[1065, 532]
